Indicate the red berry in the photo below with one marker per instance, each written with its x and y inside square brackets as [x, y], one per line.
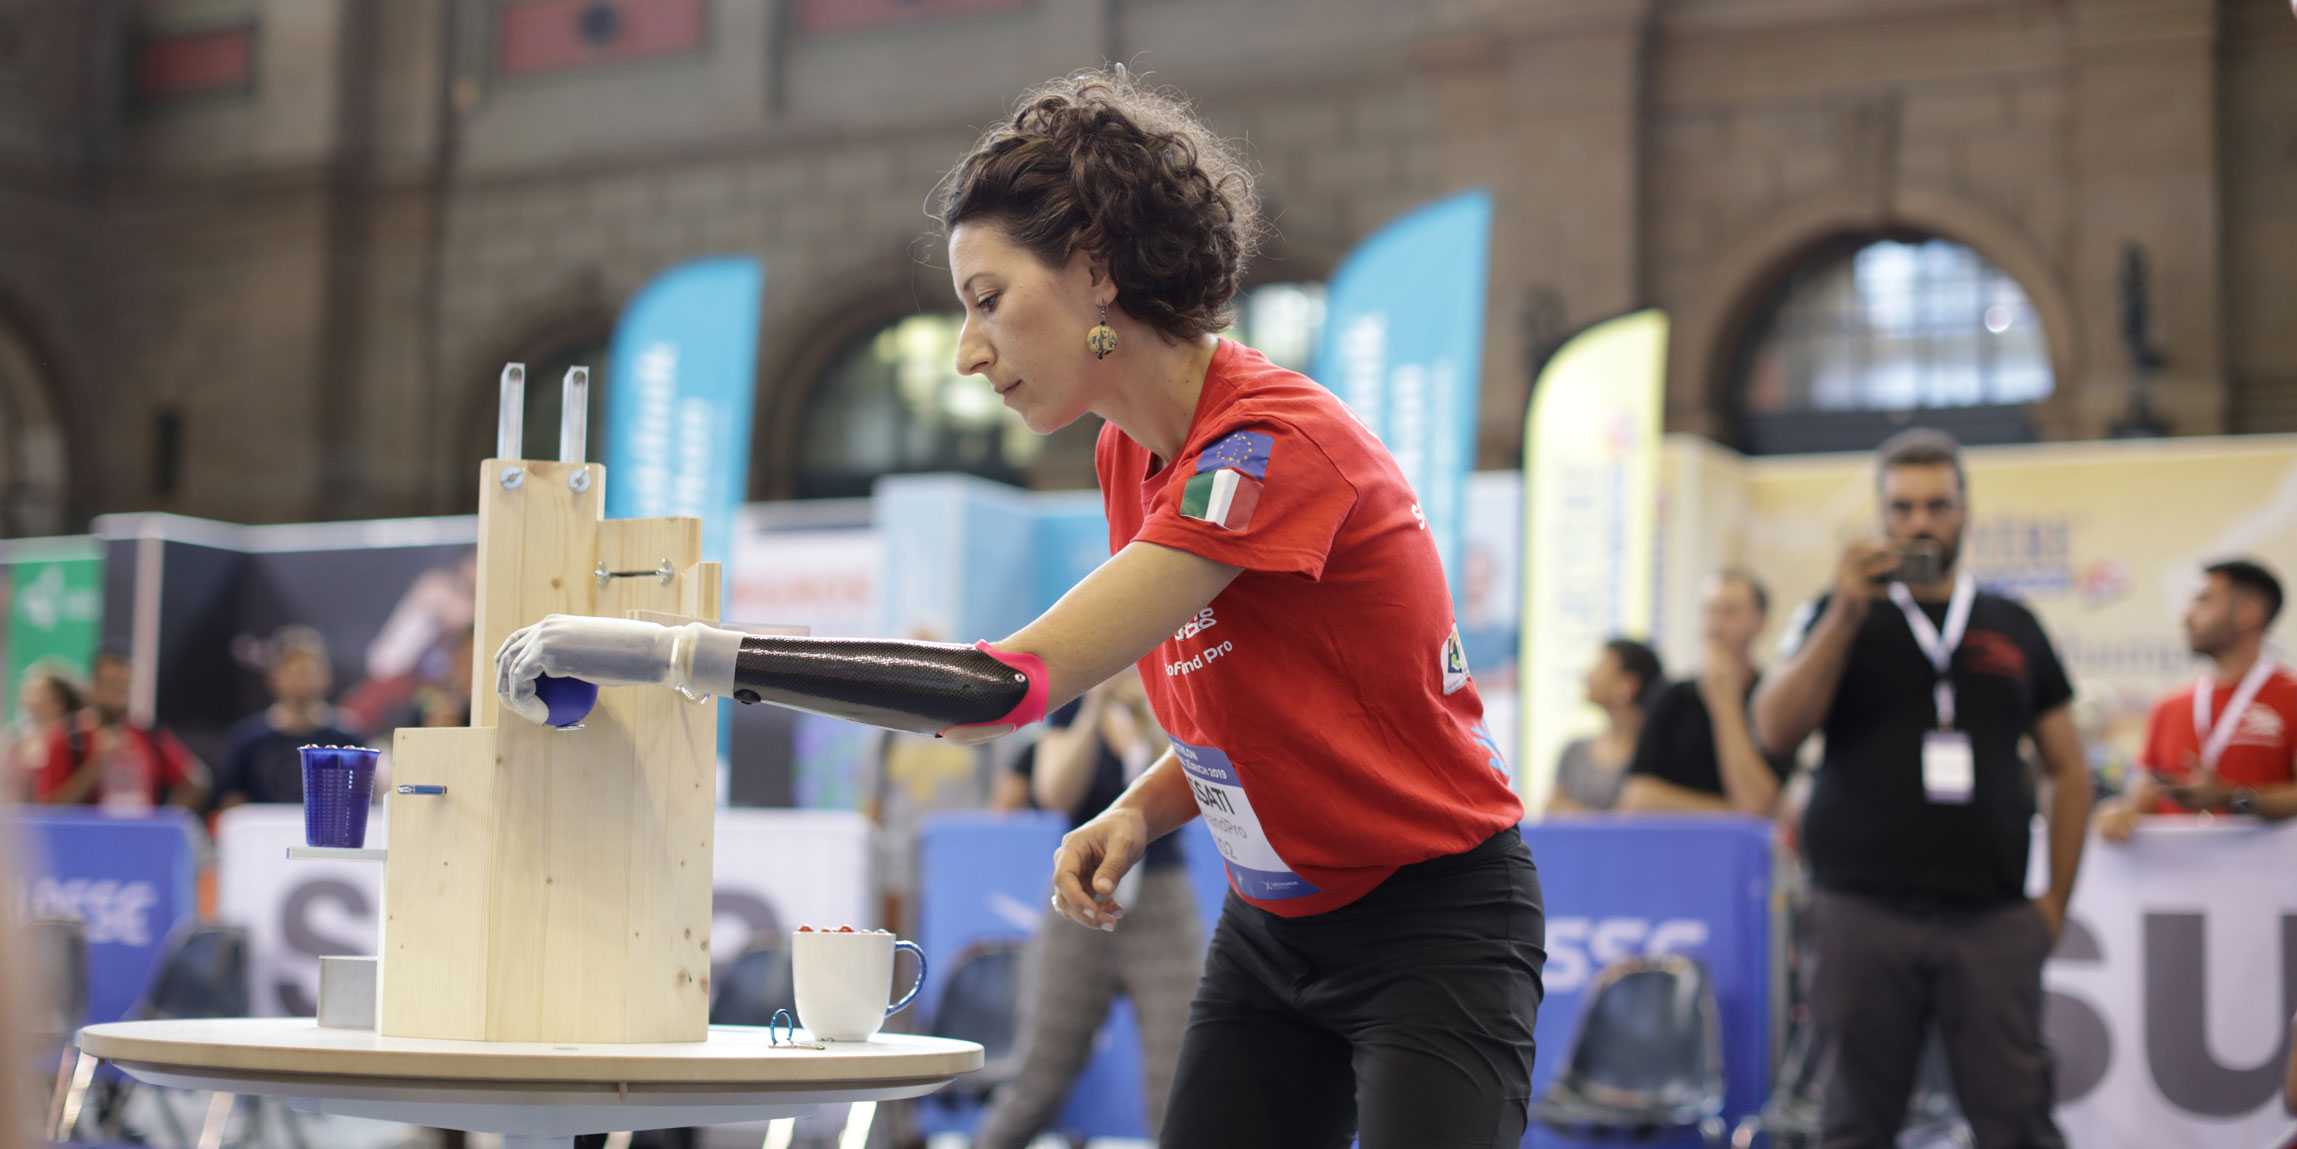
[845, 929]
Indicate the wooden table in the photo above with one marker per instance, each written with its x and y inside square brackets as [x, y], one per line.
[536, 1095]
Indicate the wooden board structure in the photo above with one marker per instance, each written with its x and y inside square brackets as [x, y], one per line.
[559, 890]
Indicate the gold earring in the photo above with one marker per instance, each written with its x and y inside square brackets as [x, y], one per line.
[1102, 338]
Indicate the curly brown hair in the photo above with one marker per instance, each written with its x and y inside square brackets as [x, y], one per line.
[1100, 162]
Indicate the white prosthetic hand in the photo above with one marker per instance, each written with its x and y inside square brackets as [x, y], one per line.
[695, 657]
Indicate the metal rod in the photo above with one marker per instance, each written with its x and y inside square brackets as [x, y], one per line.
[664, 572]
[510, 421]
[574, 415]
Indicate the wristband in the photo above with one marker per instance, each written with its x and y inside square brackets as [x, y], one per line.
[1032, 704]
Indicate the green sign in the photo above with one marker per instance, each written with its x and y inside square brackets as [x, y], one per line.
[55, 613]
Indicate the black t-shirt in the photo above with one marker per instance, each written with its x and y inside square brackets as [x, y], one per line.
[264, 764]
[1107, 785]
[1870, 829]
[1678, 742]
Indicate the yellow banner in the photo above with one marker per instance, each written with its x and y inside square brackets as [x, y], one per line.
[1591, 478]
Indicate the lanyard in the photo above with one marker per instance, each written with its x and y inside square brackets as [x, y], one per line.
[1939, 648]
[2214, 739]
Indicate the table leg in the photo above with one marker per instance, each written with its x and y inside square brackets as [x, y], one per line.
[71, 1091]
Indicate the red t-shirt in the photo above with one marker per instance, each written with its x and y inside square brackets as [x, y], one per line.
[162, 761]
[2262, 752]
[1321, 704]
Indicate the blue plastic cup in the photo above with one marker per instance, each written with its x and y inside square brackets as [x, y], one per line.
[338, 785]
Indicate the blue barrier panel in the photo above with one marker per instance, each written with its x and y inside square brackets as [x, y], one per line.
[1614, 889]
[985, 877]
[128, 880]
[1619, 888]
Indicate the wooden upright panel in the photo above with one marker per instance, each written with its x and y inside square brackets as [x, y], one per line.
[615, 849]
[439, 883]
[538, 542]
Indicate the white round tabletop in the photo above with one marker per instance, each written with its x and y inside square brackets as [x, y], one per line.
[736, 1057]
[537, 1094]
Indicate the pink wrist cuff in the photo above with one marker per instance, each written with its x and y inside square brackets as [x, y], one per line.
[1032, 704]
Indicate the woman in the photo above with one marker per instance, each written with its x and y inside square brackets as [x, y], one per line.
[1591, 771]
[1376, 966]
[45, 707]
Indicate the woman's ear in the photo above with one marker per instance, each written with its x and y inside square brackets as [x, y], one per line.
[1103, 285]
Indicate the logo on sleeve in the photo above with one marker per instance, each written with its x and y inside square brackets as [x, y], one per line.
[1226, 486]
[1455, 662]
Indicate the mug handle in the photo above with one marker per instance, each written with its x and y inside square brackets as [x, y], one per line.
[914, 986]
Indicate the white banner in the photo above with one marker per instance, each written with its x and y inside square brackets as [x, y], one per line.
[776, 870]
[826, 580]
[2171, 992]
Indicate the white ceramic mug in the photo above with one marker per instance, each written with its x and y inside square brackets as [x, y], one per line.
[843, 980]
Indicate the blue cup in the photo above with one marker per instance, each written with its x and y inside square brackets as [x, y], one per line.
[338, 785]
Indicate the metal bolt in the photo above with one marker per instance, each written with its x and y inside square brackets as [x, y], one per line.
[512, 477]
[579, 481]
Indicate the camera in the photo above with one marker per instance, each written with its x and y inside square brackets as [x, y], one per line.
[1920, 563]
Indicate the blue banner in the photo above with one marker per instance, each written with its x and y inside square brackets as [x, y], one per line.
[1403, 345]
[128, 881]
[1623, 888]
[678, 406]
[1614, 890]
[982, 879]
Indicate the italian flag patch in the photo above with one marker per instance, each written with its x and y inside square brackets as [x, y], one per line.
[1226, 486]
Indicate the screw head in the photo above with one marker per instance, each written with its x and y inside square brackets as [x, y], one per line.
[512, 477]
[579, 481]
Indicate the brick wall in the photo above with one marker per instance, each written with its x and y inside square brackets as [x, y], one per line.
[2259, 92]
[1676, 152]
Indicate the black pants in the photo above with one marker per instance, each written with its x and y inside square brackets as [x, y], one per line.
[1404, 1017]
[1887, 972]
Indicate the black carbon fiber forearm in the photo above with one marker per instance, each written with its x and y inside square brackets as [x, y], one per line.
[922, 687]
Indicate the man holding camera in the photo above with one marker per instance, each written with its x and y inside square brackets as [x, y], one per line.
[1917, 829]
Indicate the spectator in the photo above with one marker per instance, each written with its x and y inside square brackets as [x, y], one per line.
[916, 775]
[1092, 749]
[1919, 821]
[46, 705]
[2228, 743]
[1590, 771]
[103, 759]
[444, 697]
[263, 761]
[1698, 753]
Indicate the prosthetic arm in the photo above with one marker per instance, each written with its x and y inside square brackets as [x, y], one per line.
[921, 687]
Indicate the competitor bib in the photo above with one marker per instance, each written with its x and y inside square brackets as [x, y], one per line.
[1253, 863]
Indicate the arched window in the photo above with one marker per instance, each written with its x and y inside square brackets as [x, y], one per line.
[32, 464]
[1869, 333]
[893, 403]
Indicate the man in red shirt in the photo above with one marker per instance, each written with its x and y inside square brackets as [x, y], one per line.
[2228, 743]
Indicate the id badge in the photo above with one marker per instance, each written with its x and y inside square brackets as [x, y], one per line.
[1949, 770]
